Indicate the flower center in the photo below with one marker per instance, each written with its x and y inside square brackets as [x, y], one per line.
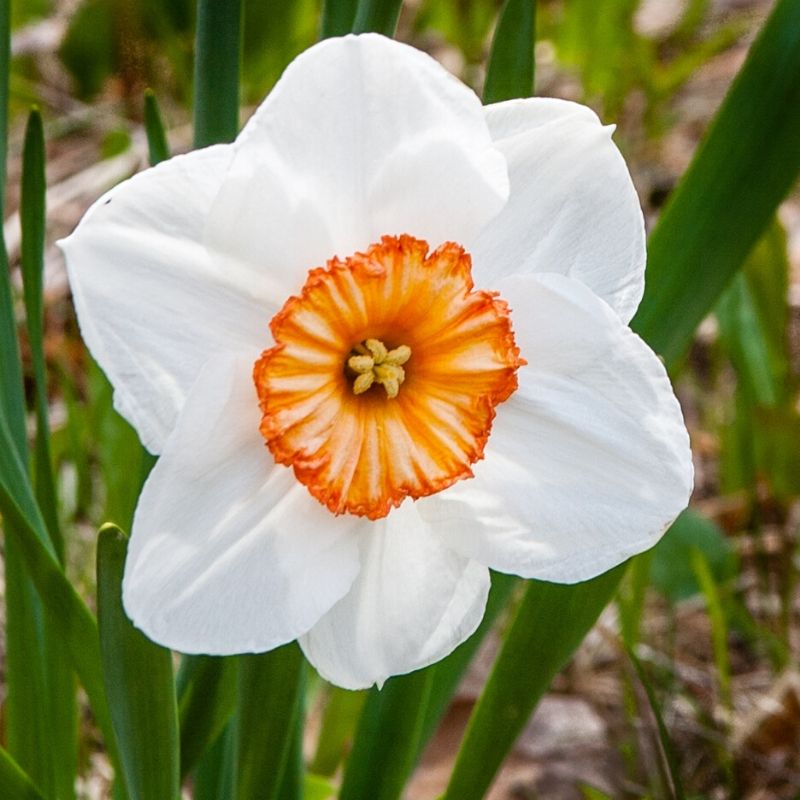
[355, 451]
[373, 363]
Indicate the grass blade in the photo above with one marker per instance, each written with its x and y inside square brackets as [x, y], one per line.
[387, 741]
[68, 614]
[511, 64]
[337, 17]
[271, 689]
[42, 708]
[157, 146]
[342, 711]
[379, 16]
[12, 400]
[216, 71]
[139, 684]
[675, 784]
[207, 700]
[214, 776]
[550, 623]
[14, 783]
[752, 153]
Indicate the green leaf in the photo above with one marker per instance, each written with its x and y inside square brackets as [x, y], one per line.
[337, 17]
[139, 684]
[379, 16]
[67, 613]
[671, 569]
[387, 741]
[157, 146]
[317, 788]
[207, 700]
[672, 780]
[339, 720]
[417, 702]
[41, 708]
[271, 689]
[216, 71]
[753, 316]
[751, 153]
[215, 773]
[32, 217]
[14, 783]
[550, 623]
[511, 64]
[719, 626]
[89, 47]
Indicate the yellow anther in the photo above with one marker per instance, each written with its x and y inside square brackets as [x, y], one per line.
[363, 382]
[398, 356]
[377, 349]
[361, 364]
[373, 363]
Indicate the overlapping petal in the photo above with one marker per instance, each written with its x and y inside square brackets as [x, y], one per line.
[229, 554]
[589, 460]
[382, 138]
[152, 304]
[413, 602]
[572, 207]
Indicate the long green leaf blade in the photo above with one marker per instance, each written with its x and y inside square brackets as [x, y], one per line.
[388, 738]
[379, 16]
[139, 684]
[14, 783]
[511, 64]
[337, 17]
[32, 215]
[751, 153]
[216, 71]
[69, 615]
[550, 623]
[207, 700]
[270, 701]
[215, 774]
[157, 145]
[56, 719]
[12, 400]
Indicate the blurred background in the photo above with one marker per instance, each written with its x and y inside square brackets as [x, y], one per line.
[713, 613]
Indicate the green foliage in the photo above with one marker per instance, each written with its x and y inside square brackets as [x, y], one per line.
[207, 700]
[381, 763]
[268, 717]
[702, 237]
[550, 623]
[14, 783]
[216, 71]
[671, 570]
[464, 24]
[143, 711]
[511, 62]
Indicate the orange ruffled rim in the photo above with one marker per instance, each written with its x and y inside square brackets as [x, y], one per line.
[364, 454]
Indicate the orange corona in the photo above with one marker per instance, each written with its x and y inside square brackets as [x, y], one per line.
[385, 375]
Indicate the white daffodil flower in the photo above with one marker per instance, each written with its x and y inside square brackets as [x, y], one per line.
[290, 322]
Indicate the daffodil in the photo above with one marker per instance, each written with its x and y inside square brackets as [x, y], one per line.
[380, 343]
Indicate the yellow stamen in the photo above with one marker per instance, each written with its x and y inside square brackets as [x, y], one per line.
[373, 363]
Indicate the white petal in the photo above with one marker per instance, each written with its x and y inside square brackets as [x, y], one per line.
[588, 462]
[383, 139]
[413, 602]
[151, 303]
[572, 209]
[229, 553]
